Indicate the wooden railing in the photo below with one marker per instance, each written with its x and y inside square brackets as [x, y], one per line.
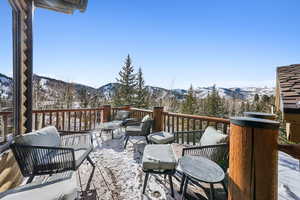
[79, 120]
[86, 119]
[67, 119]
[174, 122]
[140, 113]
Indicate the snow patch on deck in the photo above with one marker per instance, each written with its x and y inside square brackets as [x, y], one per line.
[119, 174]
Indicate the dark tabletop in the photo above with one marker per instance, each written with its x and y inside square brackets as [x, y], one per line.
[202, 169]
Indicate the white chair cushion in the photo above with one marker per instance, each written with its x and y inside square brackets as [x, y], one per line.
[145, 118]
[47, 136]
[161, 137]
[58, 186]
[158, 157]
[211, 136]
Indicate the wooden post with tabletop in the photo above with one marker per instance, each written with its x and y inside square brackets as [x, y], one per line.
[158, 118]
[253, 159]
[260, 115]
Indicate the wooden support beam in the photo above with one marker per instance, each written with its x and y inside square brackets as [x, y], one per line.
[253, 159]
[22, 65]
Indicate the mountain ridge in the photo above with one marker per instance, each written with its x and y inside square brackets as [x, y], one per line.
[107, 91]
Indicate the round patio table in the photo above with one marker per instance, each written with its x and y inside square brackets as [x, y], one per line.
[200, 169]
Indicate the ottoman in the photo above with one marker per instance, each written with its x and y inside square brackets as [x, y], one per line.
[161, 137]
[159, 159]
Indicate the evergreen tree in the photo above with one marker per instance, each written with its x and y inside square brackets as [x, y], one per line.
[125, 94]
[213, 103]
[69, 95]
[224, 108]
[189, 105]
[142, 96]
[84, 97]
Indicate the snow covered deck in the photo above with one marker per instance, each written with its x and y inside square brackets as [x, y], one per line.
[118, 175]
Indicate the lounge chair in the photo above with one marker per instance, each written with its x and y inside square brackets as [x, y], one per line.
[143, 129]
[42, 153]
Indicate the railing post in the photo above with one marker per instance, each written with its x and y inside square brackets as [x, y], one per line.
[158, 118]
[106, 113]
[253, 159]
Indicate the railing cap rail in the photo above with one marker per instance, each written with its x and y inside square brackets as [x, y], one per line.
[141, 110]
[205, 118]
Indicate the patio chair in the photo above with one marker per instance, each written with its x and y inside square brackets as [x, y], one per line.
[144, 129]
[214, 146]
[42, 153]
[121, 118]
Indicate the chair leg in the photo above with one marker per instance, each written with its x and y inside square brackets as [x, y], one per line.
[30, 179]
[90, 161]
[182, 183]
[224, 187]
[145, 182]
[147, 139]
[212, 192]
[185, 188]
[171, 185]
[126, 140]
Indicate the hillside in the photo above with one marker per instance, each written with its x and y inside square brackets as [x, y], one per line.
[51, 89]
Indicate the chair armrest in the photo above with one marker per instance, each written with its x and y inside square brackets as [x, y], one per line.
[131, 122]
[40, 160]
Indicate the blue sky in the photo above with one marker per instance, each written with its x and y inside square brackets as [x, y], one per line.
[176, 42]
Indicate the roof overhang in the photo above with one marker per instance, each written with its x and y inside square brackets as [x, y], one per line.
[65, 6]
[288, 89]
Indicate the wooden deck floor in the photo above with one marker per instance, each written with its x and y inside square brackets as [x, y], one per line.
[118, 175]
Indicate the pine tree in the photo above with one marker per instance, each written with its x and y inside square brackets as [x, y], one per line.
[142, 96]
[69, 95]
[84, 97]
[189, 105]
[213, 103]
[127, 79]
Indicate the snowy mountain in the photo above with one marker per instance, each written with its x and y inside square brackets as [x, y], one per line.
[5, 86]
[53, 88]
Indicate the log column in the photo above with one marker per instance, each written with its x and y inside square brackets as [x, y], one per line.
[158, 119]
[253, 159]
[22, 65]
[106, 113]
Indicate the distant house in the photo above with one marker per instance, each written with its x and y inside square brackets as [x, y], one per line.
[288, 98]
